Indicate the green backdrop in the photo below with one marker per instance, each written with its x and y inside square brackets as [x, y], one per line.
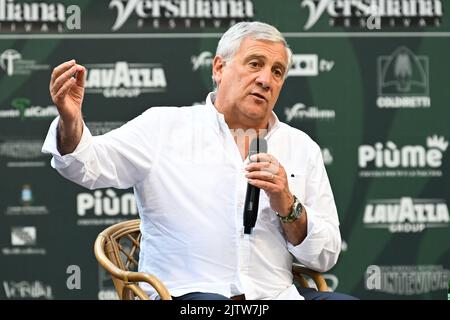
[375, 96]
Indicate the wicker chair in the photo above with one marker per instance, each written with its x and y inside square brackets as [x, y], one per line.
[117, 250]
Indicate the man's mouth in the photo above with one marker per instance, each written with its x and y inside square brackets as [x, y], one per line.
[258, 95]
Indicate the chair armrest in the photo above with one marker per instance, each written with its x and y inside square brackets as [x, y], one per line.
[128, 276]
[314, 275]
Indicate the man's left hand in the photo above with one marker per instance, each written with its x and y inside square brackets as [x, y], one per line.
[265, 172]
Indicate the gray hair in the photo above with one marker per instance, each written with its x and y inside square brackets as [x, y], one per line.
[231, 40]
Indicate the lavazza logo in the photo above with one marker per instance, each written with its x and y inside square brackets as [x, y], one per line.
[403, 80]
[392, 13]
[406, 214]
[407, 280]
[388, 160]
[125, 80]
[183, 14]
[38, 17]
[105, 207]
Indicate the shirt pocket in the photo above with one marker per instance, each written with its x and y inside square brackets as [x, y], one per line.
[266, 215]
[297, 185]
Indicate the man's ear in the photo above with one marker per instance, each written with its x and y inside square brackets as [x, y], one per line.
[217, 69]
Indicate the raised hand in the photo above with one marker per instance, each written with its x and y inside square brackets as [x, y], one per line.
[67, 92]
[67, 89]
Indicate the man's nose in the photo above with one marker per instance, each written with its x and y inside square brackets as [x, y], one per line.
[264, 79]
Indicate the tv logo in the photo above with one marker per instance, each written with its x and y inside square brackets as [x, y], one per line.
[309, 65]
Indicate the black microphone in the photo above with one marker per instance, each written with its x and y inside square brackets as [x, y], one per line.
[258, 145]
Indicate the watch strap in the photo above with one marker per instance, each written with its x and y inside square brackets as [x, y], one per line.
[296, 211]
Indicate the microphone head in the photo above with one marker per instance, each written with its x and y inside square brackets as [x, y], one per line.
[258, 145]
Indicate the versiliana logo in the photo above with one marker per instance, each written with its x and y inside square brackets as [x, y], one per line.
[406, 214]
[27, 290]
[392, 13]
[301, 111]
[38, 16]
[406, 280]
[182, 13]
[389, 160]
[203, 60]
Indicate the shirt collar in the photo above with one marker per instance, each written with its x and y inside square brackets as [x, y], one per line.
[218, 118]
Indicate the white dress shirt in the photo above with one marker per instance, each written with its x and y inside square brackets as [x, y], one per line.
[188, 179]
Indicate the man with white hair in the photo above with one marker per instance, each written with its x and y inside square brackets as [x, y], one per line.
[189, 168]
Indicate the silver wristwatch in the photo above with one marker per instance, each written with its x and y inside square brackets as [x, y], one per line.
[295, 213]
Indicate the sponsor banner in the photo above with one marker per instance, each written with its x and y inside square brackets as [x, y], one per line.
[27, 206]
[98, 127]
[202, 61]
[22, 153]
[23, 242]
[406, 280]
[125, 80]
[300, 111]
[180, 14]
[106, 289]
[358, 13]
[25, 109]
[12, 63]
[38, 17]
[388, 160]
[309, 65]
[327, 156]
[105, 207]
[190, 16]
[403, 80]
[406, 214]
[27, 290]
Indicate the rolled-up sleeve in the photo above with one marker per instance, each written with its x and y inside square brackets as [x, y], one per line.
[50, 146]
[120, 158]
[321, 247]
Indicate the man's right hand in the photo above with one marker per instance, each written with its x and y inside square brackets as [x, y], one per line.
[67, 91]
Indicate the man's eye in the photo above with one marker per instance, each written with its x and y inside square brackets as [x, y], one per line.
[278, 73]
[253, 64]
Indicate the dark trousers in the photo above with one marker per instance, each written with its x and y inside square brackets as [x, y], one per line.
[308, 293]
